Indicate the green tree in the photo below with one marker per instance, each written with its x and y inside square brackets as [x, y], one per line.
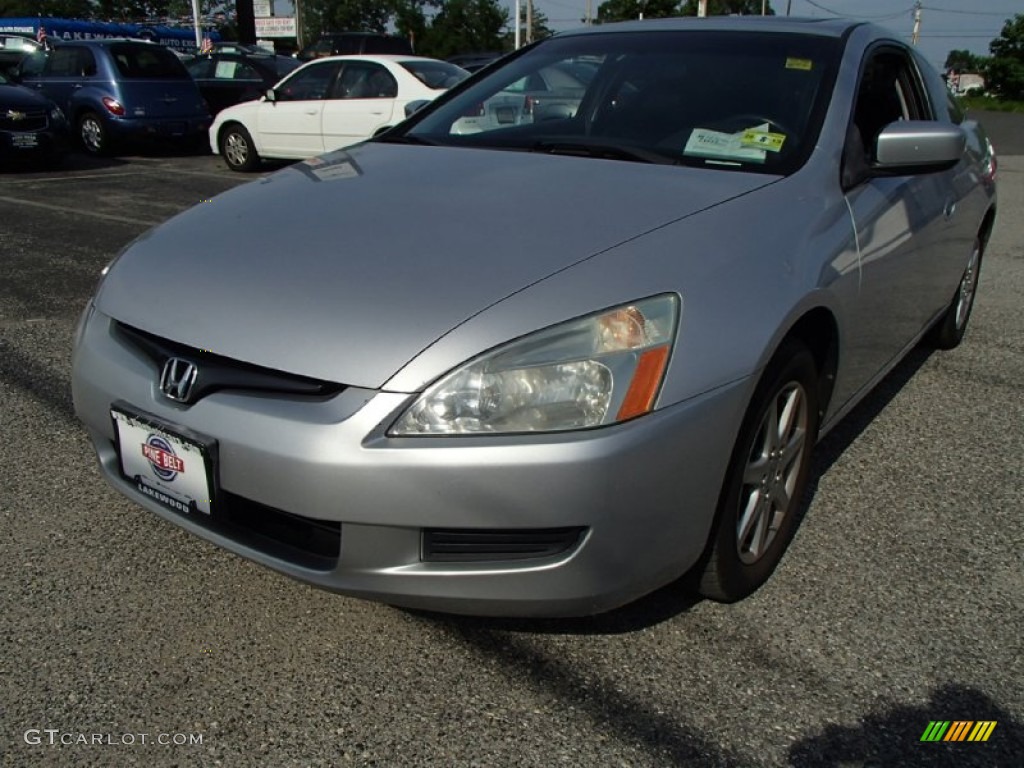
[623, 10]
[727, 7]
[346, 16]
[410, 20]
[1005, 72]
[464, 26]
[540, 27]
[964, 61]
[62, 9]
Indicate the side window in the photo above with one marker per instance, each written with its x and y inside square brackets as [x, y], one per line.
[199, 67]
[365, 80]
[63, 62]
[956, 114]
[890, 90]
[235, 69]
[312, 83]
[33, 64]
[246, 71]
[86, 63]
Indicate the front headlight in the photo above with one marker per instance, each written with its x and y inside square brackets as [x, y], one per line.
[599, 369]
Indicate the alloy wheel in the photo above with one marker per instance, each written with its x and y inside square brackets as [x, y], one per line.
[772, 471]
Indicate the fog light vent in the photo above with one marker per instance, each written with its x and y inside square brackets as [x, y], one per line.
[459, 545]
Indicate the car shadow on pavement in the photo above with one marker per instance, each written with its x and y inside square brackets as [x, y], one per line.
[658, 732]
[894, 738]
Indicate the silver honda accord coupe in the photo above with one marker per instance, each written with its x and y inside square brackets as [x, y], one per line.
[550, 365]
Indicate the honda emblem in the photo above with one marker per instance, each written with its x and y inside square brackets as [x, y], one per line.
[178, 378]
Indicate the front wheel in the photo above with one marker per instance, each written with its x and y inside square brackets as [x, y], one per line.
[237, 148]
[949, 331]
[765, 481]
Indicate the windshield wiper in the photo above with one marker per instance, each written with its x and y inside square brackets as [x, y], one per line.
[583, 148]
[405, 139]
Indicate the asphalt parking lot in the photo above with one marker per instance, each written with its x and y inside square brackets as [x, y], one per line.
[125, 641]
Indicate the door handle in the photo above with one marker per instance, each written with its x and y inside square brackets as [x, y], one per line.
[312, 111]
[950, 209]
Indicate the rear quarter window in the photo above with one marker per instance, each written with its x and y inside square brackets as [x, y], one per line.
[147, 62]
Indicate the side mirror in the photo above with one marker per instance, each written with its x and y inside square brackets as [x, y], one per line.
[270, 95]
[919, 146]
[415, 106]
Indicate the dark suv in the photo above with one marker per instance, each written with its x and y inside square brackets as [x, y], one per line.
[354, 43]
[112, 90]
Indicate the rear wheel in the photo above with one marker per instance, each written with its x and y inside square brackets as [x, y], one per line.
[949, 331]
[92, 134]
[765, 482]
[237, 148]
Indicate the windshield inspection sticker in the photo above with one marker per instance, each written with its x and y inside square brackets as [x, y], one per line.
[766, 140]
[724, 146]
[805, 64]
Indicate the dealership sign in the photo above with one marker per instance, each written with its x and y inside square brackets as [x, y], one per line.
[275, 26]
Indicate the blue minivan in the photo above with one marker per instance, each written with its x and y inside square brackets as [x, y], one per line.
[116, 89]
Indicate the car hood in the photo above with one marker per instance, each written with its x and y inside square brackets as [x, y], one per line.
[346, 266]
[19, 97]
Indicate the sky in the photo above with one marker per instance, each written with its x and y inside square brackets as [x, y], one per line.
[945, 24]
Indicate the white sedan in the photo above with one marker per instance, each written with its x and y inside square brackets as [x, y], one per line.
[327, 104]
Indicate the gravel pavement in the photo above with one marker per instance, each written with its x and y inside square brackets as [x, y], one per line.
[121, 637]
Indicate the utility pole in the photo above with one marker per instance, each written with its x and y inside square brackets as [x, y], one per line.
[529, 21]
[590, 11]
[789, 6]
[917, 23]
[299, 31]
[246, 18]
[702, 9]
[519, 25]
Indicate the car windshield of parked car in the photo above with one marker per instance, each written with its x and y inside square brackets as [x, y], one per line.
[147, 62]
[729, 100]
[436, 75]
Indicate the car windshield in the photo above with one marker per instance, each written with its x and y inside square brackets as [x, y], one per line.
[436, 75]
[147, 62]
[729, 100]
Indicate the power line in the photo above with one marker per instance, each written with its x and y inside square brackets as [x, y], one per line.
[1004, 14]
[821, 7]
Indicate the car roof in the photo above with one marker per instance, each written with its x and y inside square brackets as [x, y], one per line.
[828, 27]
[396, 58]
[103, 42]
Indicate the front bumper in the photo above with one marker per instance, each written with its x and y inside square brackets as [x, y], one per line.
[642, 493]
[27, 146]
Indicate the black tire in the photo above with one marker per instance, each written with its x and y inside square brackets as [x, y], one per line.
[949, 331]
[93, 136]
[237, 148]
[738, 560]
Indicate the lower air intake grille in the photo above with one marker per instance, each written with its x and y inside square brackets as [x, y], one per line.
[460, 545]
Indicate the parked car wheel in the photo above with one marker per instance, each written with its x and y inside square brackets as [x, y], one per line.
[948, 332]
[93, 134]
[766, 478]
[238, 149]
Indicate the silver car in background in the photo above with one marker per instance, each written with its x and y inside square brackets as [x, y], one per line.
[547, 367]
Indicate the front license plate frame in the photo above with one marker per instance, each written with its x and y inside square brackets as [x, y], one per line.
[156, 457]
